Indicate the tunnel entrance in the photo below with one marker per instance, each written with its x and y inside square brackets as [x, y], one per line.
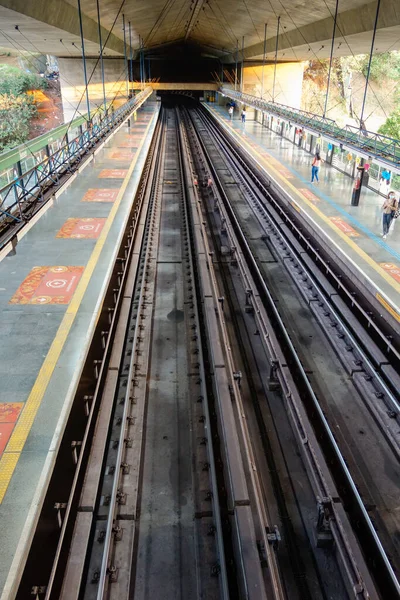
[181, 62]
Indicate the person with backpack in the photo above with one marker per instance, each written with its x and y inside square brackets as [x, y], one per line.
[315, 166]
[390, 210]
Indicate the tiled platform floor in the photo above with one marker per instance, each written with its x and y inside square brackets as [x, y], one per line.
[356, 231]
[49, 294]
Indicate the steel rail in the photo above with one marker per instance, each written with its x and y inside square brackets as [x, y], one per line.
[153, 180]
[306, 439]
[394, 404]
[105, 563]
[186, 175]
[102, 591]
[337, 278]
[75, 490]
[262, 516]
[308, 387]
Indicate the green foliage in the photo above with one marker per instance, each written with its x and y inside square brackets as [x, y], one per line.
[396, 182]
[16, 82]
[383, 66]
[391, 127]
[15, 115]
[16, 106]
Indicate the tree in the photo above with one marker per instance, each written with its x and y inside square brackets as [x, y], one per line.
[14, 81]
[383, 66]
[15, 115]
[16, 106]
[391, 127]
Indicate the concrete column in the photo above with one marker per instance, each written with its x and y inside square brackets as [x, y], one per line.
[73, 87]
[288, 85]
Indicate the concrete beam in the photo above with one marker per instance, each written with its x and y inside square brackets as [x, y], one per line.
[193, 17]
[202, 87]
[63, 16]
[350, 23]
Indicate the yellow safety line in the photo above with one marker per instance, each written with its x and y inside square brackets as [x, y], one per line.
[21, 431]
[332, 225]
[391, 310]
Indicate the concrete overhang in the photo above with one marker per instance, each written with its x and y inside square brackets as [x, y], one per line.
[216, 25]
[353, 35]
[44, 23]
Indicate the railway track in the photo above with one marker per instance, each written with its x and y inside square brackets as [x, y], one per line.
[360, 417]
[221, 457]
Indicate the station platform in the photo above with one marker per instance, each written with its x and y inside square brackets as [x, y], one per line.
[50, 293]
[354, 233]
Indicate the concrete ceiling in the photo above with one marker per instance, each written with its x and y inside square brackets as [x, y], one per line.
[218, 25]
[50, 27]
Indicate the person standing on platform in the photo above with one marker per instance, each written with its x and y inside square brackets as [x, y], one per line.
[230, 111]
[385, 181]
[316, 164]
[389, 208]
[366, 166]
[244, 115]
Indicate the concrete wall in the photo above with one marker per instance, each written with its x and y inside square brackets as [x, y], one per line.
[288, 84]
[200, 87]
[73, 87]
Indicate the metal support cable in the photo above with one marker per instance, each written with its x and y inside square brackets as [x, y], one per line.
[236, 63]
[14, 41]
[211, 25]
[251, 19]
[342, 35]
[130, 53]
[66, 47]
[184, 9]
[125, 57]
[264, 57]
[230, 34]
[97, 62]
[260, 80]
[276, 58]
[164, 11]
[362, 126]
[120, 80]
[140, 62]
[242, 69]
[331, 58]
[101, 56]
[143, 64]
[34, 67]
[321, 62]
[291, 47]
[84, 58]
[298, 31]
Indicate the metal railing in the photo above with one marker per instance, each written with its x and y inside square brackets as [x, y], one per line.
[28, 188]
[373, 144]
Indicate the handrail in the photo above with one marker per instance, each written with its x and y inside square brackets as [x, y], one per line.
[29, 187]
[375, 145]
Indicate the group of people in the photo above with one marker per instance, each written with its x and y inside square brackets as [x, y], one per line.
[242, 115]
[390, 207]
